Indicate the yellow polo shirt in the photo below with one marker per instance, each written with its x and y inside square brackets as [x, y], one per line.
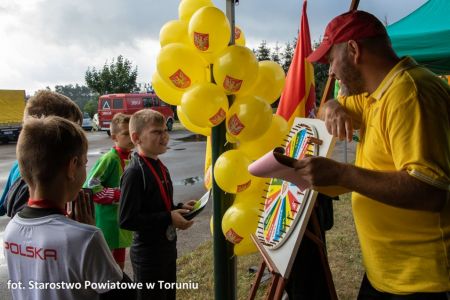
[405, 125]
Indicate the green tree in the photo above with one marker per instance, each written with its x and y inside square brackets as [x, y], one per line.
[286, 56]
[117, 77]
[276, 54]
[320, 76]
[91, 107]
[80, 94]
[263, 51]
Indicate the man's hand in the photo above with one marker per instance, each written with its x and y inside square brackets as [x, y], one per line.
[178, 221]
[337, 120]
[189, 205]
[319, 171]
[82, 210]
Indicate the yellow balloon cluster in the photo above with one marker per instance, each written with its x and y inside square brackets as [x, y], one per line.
[193, 48]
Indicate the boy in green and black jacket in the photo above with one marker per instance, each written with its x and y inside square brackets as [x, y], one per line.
[104, 180]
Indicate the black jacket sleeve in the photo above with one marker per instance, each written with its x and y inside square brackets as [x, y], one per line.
[120, 293]
[134, 215]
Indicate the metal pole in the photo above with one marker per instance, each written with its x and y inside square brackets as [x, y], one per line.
[224, 259]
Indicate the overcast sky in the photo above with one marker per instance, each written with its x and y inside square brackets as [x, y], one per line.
[53, 42]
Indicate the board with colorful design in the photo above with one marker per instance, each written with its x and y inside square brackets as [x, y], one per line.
[285, 201]
[286, 209]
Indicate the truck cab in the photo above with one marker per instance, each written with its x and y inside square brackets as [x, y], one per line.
[12, 105]
[109, 105]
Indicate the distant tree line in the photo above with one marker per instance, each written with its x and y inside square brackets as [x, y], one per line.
[119, 76]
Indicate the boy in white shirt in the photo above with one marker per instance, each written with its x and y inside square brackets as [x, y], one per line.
[45, 250]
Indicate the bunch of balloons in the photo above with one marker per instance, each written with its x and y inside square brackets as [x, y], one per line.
[191, 47]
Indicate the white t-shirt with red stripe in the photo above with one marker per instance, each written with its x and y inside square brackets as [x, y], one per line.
[45, 254]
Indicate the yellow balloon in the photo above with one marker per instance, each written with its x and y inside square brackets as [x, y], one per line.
[270, 81]
[235, 69]
[239, 222]
[187, 8]
[230, 138]
[272, 138]
[180, 66]
[239, 36]
[175, 31]
[248, 118]
[245, 247]
[191, 127]
[211, 225]
[205, 104]
[207, 181]
[253, 196]
[165, 91]
[209, 30]
[230, 172]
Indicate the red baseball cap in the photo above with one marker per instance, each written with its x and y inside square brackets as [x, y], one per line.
[353, 25]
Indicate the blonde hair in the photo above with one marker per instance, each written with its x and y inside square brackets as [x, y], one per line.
[47, 103]
[141, 119]
[45, 147]
[117, 120]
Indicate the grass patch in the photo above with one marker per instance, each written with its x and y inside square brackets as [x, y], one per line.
[343, 253]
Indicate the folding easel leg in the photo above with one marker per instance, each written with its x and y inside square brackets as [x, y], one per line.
[257, 281]
[280, 288]
[273, 287]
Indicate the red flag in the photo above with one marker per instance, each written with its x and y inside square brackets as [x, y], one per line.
[298, 97]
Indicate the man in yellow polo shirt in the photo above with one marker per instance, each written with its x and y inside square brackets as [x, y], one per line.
[401, 177]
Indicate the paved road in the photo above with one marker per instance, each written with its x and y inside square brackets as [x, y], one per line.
[185, 160]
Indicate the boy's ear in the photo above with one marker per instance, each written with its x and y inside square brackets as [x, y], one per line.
[135, 137]
[72, 168]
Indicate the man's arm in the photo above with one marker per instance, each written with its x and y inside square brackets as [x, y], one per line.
[396, 188]
[339, 121]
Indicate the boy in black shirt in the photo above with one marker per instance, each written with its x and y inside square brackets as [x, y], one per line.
[147, 208]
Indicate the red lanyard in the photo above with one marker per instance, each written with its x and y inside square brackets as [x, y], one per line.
[44, 203]
[164, 191]
[123, 155]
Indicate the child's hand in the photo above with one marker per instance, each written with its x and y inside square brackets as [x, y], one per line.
[178, 221]
[189, 205]
[82, 211]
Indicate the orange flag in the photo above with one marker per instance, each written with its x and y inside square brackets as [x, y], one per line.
[298, 97]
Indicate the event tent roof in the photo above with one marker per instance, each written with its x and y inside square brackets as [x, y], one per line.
[425, 35]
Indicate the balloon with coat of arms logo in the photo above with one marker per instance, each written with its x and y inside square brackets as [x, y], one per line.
[239, 36]
[231, 172]
[205, 104]
[168, 94]
[209, 31]
[248, 118]
[235, 69]
[238, 223]
[180, 66]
